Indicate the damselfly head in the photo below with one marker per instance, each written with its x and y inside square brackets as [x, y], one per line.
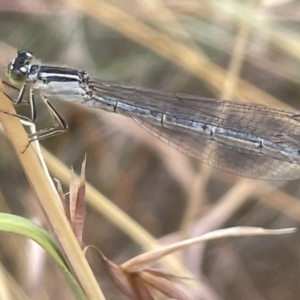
[18, 69]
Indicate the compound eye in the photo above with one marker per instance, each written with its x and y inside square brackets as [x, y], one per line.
[16, 76]
[25, 56]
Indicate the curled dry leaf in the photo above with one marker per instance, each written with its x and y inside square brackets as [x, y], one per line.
[75, 208]
[138, 282]
[143, 284]
[63, 199]
[77, 202]
[163, 284]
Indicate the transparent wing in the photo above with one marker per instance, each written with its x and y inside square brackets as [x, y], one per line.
[277, 126]
[236, 160]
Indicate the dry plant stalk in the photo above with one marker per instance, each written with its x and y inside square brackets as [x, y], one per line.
[48, 200]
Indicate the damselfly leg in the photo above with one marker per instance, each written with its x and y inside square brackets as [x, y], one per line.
[59, 125]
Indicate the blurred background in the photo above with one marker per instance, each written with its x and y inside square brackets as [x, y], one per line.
[239, 50]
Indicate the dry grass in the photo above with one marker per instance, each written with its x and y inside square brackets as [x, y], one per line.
[207, 49]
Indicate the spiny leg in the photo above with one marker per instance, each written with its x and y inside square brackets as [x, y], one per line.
[32, 104]
[21, 92]
[24, 120]
[20, 99]
[59, 124]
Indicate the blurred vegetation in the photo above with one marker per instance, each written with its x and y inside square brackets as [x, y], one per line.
[241, 50]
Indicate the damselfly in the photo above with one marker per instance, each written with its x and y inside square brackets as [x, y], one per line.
[244, 139]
